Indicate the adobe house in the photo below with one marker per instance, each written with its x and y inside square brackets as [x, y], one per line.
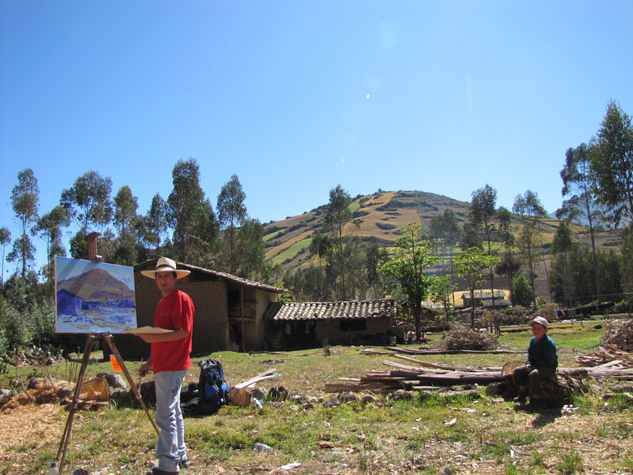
[305, 324]
[228, 314]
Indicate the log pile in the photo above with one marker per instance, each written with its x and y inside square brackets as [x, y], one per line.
[422, 376]
[418, 375]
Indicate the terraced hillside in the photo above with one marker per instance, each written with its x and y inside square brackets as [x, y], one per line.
[381, 216]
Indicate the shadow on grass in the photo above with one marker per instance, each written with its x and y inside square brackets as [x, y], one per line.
[546, 416]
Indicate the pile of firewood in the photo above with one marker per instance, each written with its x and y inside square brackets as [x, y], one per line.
[619, 333]
[418, 375]
[607, 354]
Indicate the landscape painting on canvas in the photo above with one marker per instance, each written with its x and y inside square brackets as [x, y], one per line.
[93, 297]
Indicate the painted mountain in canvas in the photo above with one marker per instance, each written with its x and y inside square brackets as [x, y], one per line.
[97, 284]
[94, 297]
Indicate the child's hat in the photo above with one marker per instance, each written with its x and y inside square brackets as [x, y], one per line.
[540, 321]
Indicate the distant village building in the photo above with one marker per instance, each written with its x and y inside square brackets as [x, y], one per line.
[484, 298]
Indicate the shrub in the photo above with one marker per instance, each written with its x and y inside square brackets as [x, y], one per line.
[548, 311]
[462, 337]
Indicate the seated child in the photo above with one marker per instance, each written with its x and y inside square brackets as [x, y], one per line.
[541, 363]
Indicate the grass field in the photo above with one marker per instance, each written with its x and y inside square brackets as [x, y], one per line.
[455, 432]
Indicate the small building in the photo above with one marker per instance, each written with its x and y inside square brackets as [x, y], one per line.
[484, 298]
[310, 324]
[229, 310]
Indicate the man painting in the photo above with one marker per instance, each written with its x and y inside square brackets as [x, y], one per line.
[170, 361]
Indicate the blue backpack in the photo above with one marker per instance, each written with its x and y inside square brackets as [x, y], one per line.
[213, 392]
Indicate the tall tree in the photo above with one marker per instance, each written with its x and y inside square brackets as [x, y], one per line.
[483, 211]
[530, 210]
[337, 215]
[88, 202]
[510, 263]
[50, 226]
[580, 188]
[251, 251]
[231, 216]
[612, 161]
[155, 222]
[125, 206]
[5, 238]
[473, 265]
[25, 202]
[407, 270]
[374, 256]
[563, 279]
[190, 215]
[126, 221]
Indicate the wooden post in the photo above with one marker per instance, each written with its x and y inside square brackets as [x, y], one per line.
[92, 247]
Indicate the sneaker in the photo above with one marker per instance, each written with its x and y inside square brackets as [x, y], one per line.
[521, 398]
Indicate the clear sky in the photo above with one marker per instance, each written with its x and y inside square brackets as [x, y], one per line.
[298, 96]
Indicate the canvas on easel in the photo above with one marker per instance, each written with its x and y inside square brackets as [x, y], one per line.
[93, 297]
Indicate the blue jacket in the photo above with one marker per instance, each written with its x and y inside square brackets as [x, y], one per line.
[542, 353]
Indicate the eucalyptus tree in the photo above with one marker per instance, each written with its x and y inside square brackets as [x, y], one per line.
[612, 162]
[231, 216]
[580, 188]
[88, 202]
[337, 216]
[509, 264]
[155, 222]
[251, 251]
[191, 215]
[563, 279]
[125, 220]
[530, 210]
[25, 203]
[483, 211]
[5, 238]
[50, 227]
[473, 266]
[407, 271]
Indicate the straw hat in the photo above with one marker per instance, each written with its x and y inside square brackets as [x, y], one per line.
[165, 264]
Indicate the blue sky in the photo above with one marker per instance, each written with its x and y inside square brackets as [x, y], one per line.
[298, 96]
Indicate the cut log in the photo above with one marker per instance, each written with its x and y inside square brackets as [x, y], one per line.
[443, 366]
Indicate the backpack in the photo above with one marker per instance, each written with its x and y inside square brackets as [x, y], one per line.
[213, 392]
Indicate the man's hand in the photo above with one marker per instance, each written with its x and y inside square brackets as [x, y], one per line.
[145, 368]
[528, 367]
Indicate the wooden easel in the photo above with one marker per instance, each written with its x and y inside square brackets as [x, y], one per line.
[63, 446]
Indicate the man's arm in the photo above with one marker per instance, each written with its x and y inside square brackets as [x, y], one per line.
[178, 334]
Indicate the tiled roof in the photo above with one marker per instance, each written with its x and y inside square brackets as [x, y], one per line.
[354, 309]
[151, 264]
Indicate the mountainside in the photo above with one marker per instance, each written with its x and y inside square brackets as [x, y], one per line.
[381, 216]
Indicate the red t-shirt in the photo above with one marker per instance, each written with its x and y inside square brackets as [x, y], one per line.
[174, 312]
